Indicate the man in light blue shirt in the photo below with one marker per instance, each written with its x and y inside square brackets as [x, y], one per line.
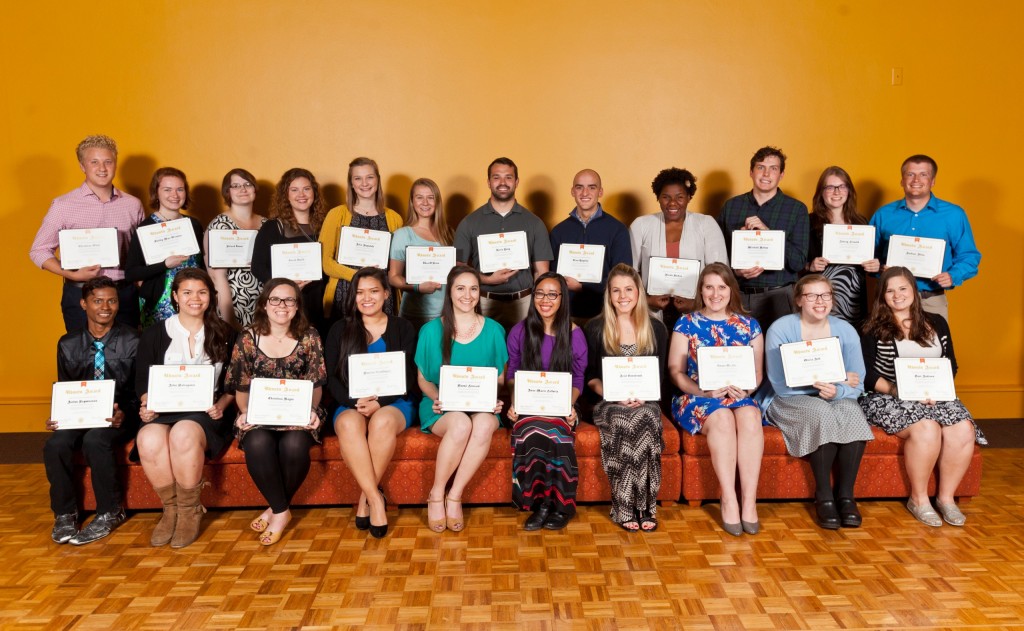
[921, 214]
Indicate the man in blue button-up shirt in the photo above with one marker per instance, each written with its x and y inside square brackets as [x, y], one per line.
[921, 214]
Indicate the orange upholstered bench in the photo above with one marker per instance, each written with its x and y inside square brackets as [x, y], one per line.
[882, 473]
[408, 478]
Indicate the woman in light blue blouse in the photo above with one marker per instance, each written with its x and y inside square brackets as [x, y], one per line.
[425, 225]
[823, 421]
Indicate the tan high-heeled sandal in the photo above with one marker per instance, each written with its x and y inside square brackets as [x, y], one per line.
[437, 525]
[455, 525]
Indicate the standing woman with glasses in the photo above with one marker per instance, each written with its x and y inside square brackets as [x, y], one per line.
[237, 287]
[631, 431]
[168, 196]
[835, 202]
[279, 344]
[365, 210]
[425, 225]
[460, 337]
[298, 213]
[368, 426]
[173, 446]
[823, 422]
[544, 471]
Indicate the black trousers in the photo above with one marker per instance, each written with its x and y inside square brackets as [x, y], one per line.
[74, 315]
[97, 444]
[769, 306]
[278, 462]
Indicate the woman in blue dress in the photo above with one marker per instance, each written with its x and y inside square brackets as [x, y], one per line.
[727, 416]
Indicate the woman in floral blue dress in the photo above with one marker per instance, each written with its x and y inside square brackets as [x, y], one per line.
[728, 416]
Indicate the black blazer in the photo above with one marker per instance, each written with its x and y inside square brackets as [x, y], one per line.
[153, 346]
[400, 335]
[594, 330]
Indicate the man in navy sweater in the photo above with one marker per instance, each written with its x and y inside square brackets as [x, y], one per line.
[589, 224]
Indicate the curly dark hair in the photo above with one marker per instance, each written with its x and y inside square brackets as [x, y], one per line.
[261, 321]
[281, 209]
[766, 152]
[682, 177]
[883, 323]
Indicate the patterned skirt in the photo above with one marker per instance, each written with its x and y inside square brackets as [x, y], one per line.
[691, 412]
[544, 463]
[895, 415]
[631, 446]
[809, 422]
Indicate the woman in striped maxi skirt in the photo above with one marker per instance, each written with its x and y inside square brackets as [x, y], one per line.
[544, 471]
[631, 431]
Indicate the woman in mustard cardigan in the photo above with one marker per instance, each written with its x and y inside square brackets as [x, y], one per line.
[368, 211]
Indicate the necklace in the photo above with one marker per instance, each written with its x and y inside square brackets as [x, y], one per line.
[471, 332]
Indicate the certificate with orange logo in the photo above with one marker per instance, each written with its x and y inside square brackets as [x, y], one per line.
[631, 378]
[541, 393]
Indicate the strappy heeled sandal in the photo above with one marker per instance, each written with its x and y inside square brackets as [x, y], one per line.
[437, 525]
[454, 524]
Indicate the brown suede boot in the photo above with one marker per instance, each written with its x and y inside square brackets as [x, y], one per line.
[190, 513]
[165, 527]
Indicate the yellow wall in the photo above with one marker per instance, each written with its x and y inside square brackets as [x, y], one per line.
[438, 89]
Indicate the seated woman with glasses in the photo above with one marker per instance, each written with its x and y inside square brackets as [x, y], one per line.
[935, 431]
[729, 418]
[824, 421]
[835, 202]
[237, 287]
[279, 344]
[368, 426]
[544, 471]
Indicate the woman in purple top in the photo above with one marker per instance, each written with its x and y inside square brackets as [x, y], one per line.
[544, 472]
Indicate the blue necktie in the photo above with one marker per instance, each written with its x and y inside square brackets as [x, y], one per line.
[99, 362]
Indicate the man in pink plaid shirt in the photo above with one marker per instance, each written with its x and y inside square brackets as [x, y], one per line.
[95, 204]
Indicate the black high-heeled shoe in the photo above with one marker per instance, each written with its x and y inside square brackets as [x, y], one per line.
[362, 521]
[378, 532]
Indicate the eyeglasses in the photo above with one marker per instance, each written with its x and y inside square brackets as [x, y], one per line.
[840, 188]
[825, 297]
[244, 185]
[549, 296]
[274, 301]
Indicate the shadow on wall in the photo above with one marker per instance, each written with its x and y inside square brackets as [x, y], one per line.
[396, 193]
[623, 206]
[869, 197]
[136, 171]
[541, 199]
[332, 194]
[714, 190]
[265, 190]
[456, 208]
[206, 203]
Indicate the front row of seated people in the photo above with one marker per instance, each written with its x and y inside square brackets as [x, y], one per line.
[827, 423]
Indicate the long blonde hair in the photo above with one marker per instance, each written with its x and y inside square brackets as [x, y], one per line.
[645, 342]
[444, 232]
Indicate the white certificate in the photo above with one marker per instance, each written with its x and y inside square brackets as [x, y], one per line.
[428, 263]
[850, 245]
[925, 378]
[581, 261]
[721, 366]
[285, 402]
[82, 404]
[362, 247]
[180, 388]
[297, 261]
[468, 388]
[543, 393]
[921, 255]
[231, 248]
[808, 361]
[88, 246]
[170, 238]
[380, 374]
[503, 250]
[759, 248]
[672, 277]
[631, 378]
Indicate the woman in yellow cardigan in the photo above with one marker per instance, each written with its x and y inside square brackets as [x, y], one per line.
[368, 211]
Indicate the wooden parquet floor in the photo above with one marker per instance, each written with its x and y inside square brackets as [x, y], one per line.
[325, 574]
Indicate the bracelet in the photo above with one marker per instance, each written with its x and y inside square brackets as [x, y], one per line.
[416, 288]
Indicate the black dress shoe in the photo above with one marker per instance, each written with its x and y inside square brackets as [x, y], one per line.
[557, 520]
[537, 519]
[65, 527]
[826, 514]
[101, 526]
[849, 516]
